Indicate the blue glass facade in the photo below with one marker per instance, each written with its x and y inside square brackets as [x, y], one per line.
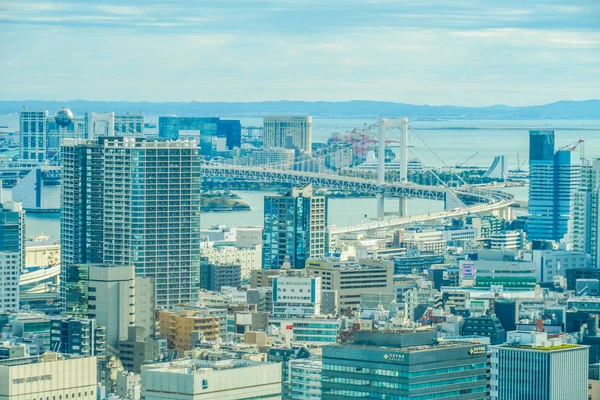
[203, 129]
[423, 372]
[553, 180]
[294, 227]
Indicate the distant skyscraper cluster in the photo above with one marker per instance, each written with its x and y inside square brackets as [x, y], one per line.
[40, 134]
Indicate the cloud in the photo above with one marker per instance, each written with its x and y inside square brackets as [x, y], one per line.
[461, 52]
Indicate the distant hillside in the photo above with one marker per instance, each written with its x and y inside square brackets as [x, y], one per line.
[588, 109]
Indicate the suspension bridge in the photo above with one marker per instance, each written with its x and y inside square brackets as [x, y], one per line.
[464, 200]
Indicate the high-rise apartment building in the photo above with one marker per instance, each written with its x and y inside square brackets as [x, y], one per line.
[213, 134]
[128, 201]
[32, 131]
[12, 254]
[585, 222]
[553, 181]
[533, 366]
[295, 228]
[288, 133]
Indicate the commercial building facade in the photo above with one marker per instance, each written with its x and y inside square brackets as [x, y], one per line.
[383, 366]
[288, 133]
[49, 376]
[531, 365]
[220, 380]
[296, 296]
[351, 279]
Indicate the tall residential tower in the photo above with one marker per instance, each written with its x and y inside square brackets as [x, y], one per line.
[128, 201]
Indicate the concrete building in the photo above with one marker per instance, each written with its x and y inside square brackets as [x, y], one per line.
[111, 300]
[49, 376]
[508, 268]
[140, 206]
[288, 133]
[136, 350]
[351, 279]
[262, 297]
[263, 277]
[41, 252]
[305, 379]
[181, 329]
[329, 302]
[221, 380]
[507, 240]
[216, 276]
[551, 263]
[104, 292]
[39, 190]
[531, 365]
[248, 256]
[295, 228]
[296, 296]
[145, 313]
[553, 182]
[404, 365]
[248, 236]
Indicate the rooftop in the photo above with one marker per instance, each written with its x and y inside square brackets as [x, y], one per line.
[563, 346]
[202, 366]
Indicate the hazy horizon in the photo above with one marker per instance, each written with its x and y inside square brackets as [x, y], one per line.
[468, 53]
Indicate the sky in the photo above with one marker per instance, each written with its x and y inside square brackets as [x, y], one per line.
[438, 52]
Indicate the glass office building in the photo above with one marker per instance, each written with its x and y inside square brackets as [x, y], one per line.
[295, 228]
[553, 182]
[128, 201]
[403, 366]
[213, 134]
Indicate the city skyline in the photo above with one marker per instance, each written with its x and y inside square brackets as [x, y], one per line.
[517, 54]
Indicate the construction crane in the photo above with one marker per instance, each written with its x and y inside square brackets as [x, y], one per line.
[573, 146]
[520, 164]
[466, 161]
